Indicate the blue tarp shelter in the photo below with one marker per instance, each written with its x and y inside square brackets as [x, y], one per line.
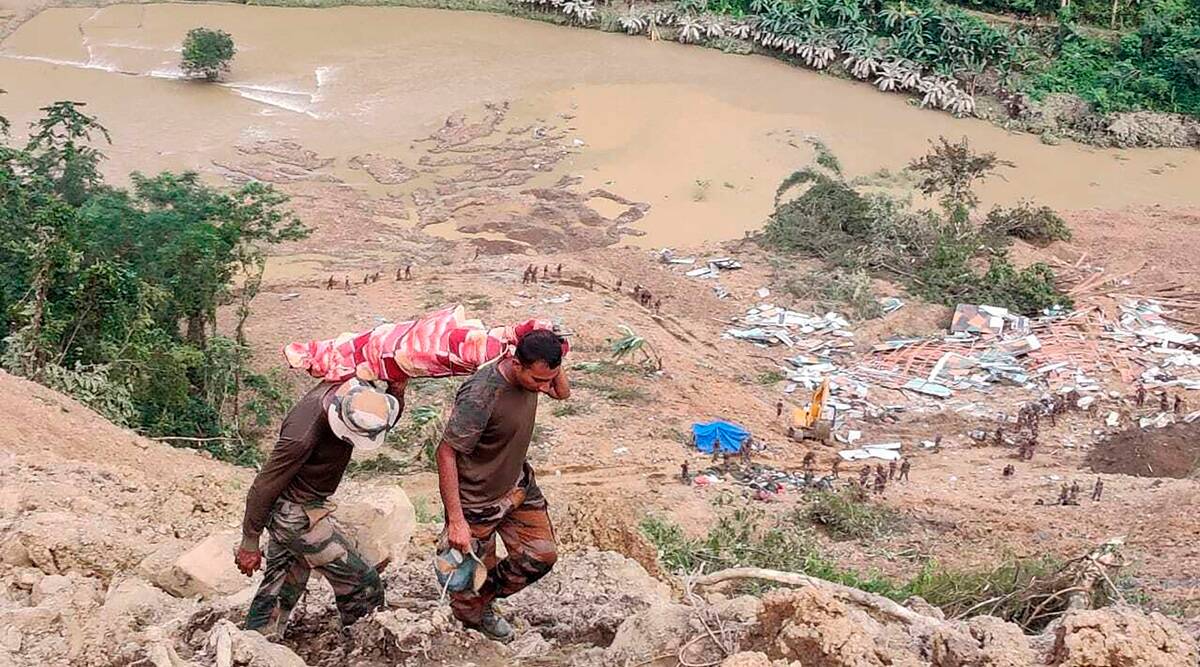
[728, 436]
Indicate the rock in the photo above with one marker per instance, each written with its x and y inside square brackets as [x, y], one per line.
[983, 641]
[12, 552]
[395, 636]
[813, 627]
[1121, 637]
[10, 639]
[658, 630]
[747, 659]
[70, 593]
[1147, 128]
[93, 545]
[205, 570]
[919, 605]
[529, 645]
[380, 519]
[135, 604]
[247, 648]
[587, 596]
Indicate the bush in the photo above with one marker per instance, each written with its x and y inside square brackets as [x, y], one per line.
[936, 254]
[845, 517]
[111, 295]
[1038, 225]
[207, 52]
[1155, 67]
[1026, 591]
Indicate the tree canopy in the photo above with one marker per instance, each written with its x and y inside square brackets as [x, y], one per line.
[112, 294]
[207, 52]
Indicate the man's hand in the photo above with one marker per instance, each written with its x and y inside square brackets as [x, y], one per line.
[247, 561]
[560, 388]
[458, 534]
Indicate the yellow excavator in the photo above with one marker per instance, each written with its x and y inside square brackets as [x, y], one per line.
[807, 423]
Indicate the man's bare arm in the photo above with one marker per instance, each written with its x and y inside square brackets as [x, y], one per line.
[458, 534]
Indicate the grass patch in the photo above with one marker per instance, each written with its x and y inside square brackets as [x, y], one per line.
[1025, 591]
[377, 466]
[849, 292]
[845, 517]
[607, 368]
[770, 377]
[746, 538]
[571, 408]
[476, 301]
[610, 380]
[427, 511]
[433, 297]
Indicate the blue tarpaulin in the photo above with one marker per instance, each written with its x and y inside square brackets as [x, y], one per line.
[729, 436]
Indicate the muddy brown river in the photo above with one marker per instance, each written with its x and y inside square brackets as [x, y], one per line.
[701, 136]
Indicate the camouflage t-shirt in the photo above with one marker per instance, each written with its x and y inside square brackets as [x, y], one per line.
[490, 428]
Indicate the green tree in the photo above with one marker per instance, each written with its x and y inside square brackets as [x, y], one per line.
[208, 52]
[111, 295]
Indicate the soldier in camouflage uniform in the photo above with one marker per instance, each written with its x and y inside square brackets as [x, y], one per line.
[486, 483]
[290, 499]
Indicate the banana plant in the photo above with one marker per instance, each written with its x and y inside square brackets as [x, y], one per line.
[713, 27]
[630, 343]
[634, 23]
[690, 28]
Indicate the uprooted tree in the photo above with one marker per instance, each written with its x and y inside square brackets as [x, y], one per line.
[111, 295]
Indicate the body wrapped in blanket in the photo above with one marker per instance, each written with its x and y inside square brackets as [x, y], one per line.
[438, 344]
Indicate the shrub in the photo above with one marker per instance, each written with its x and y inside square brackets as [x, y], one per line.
[207, 52]
[1026, 591]
[1038, 225]
[845, 517]
[936, 254]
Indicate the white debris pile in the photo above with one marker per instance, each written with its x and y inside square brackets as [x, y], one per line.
[768, 324]
[1176, 353]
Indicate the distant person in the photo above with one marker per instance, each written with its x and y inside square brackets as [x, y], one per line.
[290, 499]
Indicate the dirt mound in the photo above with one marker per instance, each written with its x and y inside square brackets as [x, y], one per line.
[1122, 637]
[1171, 451]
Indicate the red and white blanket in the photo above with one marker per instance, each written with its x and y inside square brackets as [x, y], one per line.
[439, 344]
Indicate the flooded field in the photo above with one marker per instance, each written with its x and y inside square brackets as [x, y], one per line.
[676, 143]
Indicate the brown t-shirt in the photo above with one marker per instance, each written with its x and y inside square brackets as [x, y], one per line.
[490, 428]
[306, 466]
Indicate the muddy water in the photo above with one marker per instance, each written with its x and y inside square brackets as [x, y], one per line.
[704, 137]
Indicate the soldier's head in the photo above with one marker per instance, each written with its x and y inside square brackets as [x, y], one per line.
[538, 360]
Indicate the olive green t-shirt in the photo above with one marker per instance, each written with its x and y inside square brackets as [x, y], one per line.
[490, 428]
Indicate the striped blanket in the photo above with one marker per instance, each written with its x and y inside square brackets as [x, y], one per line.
[438, 344]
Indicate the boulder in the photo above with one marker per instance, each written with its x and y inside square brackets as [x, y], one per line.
[587, 596]
[1121, 636]
[205, 570]
[380, 519]
[658, 630]
[811, 626]
[983, 641]
[247, 648]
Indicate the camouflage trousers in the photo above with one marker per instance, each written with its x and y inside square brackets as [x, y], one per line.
[302, 540]
[522, 522]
